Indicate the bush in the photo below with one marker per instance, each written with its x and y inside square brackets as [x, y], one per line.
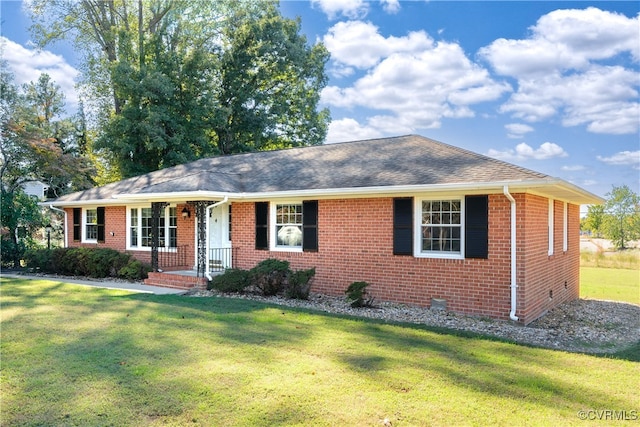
[10, 252]
[89, 262]
[134, 270]
[270, 276]
[232, 280]
[357, 294]
[299, 284]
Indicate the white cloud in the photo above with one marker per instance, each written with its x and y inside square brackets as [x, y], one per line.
[390, 6]
[28, 64]
[359, 44]
[623, 158]
[517, 130]
[348, 129]
[523, 151]
[566, 39]
[574, 168]
[560, 71]
[352, 9]
[413, 80]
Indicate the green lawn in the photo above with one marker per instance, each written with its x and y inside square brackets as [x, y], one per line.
[615, 284]
[74, 355]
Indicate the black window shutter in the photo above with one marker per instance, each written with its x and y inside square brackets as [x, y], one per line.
[310, 226]
[403, 226]
[77, 224]
[262, 225]
[100, 212]
[476, 227]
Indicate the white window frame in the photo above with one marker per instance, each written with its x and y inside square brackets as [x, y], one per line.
[550, 226]
[85, 223]
[273, 238]
[417, 228]
[138, 209]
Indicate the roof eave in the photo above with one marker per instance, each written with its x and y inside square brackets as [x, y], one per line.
[554, 188]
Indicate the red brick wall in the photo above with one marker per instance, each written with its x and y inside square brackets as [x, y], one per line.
[355, 243]
[116, 223]
[548, 280]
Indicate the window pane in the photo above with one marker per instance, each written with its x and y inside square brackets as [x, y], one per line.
[91, 218]
[145, 227]
[173, 228]
[289, 225]
[441, 220]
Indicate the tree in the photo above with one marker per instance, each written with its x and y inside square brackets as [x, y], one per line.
[270, 85]
[163, 120]
[32, 147]
[594, 219]
[59, 160]
[175, 81]
[622, 220]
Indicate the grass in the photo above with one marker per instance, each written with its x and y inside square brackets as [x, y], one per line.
[613, 276]
[610, 284]
[628, 259]
[74, 355]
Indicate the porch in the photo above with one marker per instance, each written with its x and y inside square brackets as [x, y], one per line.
[177, 275]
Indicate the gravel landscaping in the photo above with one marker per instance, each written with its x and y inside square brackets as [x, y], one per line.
[589, 326]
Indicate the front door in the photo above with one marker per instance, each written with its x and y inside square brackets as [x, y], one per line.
[219, 238]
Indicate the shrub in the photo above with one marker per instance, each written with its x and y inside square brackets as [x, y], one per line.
[232, 280]
[89, 262]
[299, 284]
[357, 294]
[10, 252]
[270, 276]
[134, 270]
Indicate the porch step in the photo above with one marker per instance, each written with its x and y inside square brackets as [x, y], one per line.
[176, 281]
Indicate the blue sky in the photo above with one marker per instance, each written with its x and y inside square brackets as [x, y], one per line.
[551, 86]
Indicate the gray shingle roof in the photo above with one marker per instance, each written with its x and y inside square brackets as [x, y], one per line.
[410, 160]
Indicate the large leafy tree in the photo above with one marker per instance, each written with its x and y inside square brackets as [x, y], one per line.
[35, 144]
[270, 83]
[174, 80]
[594, 219]
[622, 216]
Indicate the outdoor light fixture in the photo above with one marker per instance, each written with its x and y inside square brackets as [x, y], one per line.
[186, 213]
[48, 227]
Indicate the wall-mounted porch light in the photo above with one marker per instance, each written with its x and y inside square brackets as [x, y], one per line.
[186, 213]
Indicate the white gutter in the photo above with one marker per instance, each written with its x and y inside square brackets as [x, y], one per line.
[66, 234]
[514, 284]
[550, 186]
[208, 218]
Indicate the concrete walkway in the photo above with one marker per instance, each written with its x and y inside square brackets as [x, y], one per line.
[123, 285]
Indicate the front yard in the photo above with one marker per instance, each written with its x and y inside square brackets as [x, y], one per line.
[74, 355]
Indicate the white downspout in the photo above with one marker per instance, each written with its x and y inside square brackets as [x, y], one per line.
[208, 218]
[514, 284]
[66, 234]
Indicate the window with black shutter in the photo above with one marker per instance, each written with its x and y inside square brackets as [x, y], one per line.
[262, 225]
[100, 215]
[310, 226]
[77, 224]
[403, 226]
[477, 227]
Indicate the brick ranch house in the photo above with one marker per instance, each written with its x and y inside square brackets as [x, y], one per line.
[418, 219]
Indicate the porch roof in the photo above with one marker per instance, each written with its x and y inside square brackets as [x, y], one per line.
[379, 166]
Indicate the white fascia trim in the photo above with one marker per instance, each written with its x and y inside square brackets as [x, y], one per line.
[496, 187]
[81, 203]
[378, 191]
[179, 196]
